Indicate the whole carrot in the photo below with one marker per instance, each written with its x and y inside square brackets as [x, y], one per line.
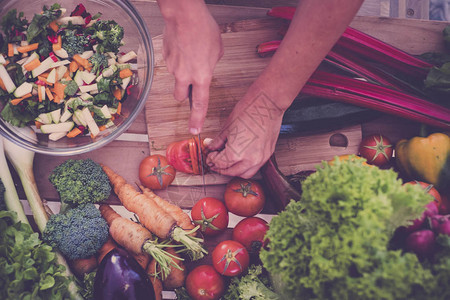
[183, 220]
[153, 217]
[135, 238]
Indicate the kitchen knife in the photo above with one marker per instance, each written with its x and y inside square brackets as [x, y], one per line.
[202, 168]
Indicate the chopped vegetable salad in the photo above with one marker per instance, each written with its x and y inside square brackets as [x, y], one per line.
[63, 72]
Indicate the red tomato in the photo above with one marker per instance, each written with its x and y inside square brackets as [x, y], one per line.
[179, 157]
[155, 172]
[203, 282]
[429, 188]
[250, 232]
[211, 214]
[244, 197]
[230, 258]
[376, 149]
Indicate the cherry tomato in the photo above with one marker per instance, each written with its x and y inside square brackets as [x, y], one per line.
[376, 149]
[430, 189]
[155, 172]
[211, 214]
[230, 258]
[244, 197]
[250, 232]
[203, 282]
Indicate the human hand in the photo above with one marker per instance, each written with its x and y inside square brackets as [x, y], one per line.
[192, 46]
[248, 137]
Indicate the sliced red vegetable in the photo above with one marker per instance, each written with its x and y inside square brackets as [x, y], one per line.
[53, 56]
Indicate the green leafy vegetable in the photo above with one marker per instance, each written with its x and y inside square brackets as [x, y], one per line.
[12, 25]
[2, 195]
[71, 88]
[99, 62]
[36, 31]
[333, 243]
[109, 35]
[74, 42]
[28, 267]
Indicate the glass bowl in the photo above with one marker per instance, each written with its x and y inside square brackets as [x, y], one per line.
[136, 37]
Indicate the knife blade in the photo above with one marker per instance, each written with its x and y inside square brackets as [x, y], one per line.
[199, 145]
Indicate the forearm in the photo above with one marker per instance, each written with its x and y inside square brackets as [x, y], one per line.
[316, 27]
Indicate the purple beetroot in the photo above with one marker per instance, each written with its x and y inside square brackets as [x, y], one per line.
[421, 242]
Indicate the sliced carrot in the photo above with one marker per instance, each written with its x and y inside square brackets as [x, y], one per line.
[59, 89]
[125, 73]
[54, 26]
[117, 93]
[2, 85]
[74, 132]
[81, 61]
[27, 48]
[102, 127]
[32, 64]
[38, 124]
[39, 93]
[10, 49]
[57, 99]
[119, 108]
[66, 76]
[73, 66]
[49, 94]
[58, 45]
[43, 79]
[45, 75]
[18, 100]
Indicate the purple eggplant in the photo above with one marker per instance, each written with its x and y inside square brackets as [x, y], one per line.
[119, 276]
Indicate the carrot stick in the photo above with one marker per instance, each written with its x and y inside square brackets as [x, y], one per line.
[176, 277]
[182, 218]
[83, 265]
[54, 26]
[153, 274]
[135, 238]
[125, 73]
[10, 49]
[117, 93]
[74, 132]
[119, 108]
[73, 66]
[81, 61]
[27, 48]
[2, 85]
[37, 124]
[58, 44]
[18, 100]
[154, 217]
[32, 64]
[109, 245]
[58, 89]
[49, 94]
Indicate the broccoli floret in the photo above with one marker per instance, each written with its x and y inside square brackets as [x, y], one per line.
[253, 285]
[80, 181]
[99, 62]
[109, 35]
[74, 43]
[2, 196]
[77, 233]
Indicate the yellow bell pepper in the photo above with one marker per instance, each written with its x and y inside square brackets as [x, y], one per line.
[426, 159]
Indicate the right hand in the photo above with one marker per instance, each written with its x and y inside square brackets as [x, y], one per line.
[192, 46]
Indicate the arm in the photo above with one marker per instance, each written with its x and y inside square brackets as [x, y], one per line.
[192, 47]
[251, 131]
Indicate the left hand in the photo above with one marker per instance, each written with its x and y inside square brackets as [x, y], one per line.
[248, 137]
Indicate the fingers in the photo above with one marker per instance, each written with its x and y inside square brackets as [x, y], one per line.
[200, 98]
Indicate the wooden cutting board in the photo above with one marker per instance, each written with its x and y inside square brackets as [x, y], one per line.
[237, 69]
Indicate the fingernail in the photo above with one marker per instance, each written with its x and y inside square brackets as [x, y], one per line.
[194, 131]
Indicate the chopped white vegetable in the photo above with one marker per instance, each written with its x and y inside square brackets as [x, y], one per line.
[7, 81]
[54, 136]
[60, 127]
[127, 57]
[88, 88]
[92, 126]
[23, 89]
